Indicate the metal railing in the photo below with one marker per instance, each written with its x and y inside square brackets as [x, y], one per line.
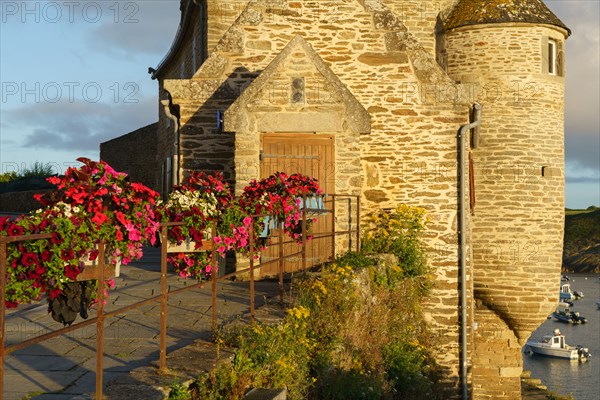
[164, 295]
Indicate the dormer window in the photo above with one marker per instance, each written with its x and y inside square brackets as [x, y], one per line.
[552, 59]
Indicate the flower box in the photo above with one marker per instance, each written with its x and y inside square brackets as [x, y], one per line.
[269, 224]
[189, 246]
[314, 205]
[90, 269]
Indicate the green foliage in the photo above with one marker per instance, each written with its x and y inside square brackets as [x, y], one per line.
[398, 232]
[38, 169]
[581, 251]
[356, 260]
[355, 331]
[179, 391]
[269, 356]
[340, 384]
[8, 177]
[570, 211]
[407, 367]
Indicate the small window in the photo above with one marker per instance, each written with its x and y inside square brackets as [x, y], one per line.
[552, 64]
[298, 90]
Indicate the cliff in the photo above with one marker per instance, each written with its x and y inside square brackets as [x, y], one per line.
[581, 252]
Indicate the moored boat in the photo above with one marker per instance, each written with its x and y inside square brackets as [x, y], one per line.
[555, 346]
[564, 314]
[566, 294]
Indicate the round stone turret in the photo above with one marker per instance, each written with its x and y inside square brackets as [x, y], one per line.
[509, 56]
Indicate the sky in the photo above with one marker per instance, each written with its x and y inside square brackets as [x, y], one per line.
[73, 74]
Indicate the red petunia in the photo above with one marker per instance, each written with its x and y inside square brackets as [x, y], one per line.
[46, 255]
[15, 230]
[67, 255]
[29, 259]
[71, 271]
[54, 293]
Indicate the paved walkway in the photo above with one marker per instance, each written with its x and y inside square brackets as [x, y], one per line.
[64, 367]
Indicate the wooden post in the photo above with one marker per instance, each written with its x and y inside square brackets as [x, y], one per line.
[100, 321]
[332, 228]
[213, 275]
[251, 276]
[164, 240]
[3, 255]
[357, 223]
[280, 264]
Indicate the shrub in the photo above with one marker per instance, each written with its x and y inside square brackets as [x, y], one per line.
[398, 232]
[8, 177]
[38, 169]
[356, 260]
[355, 330]
[270, 356]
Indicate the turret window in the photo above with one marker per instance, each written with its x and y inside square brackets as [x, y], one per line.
[552, 56]
[552, 65]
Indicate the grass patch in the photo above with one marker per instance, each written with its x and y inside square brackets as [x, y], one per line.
[569, 211]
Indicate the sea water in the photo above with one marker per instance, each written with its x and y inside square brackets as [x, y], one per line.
[579, 379]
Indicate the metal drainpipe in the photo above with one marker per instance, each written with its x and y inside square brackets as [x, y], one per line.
[462, 244]
[175, 174]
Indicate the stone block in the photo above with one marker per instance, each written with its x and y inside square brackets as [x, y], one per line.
[266, 394]
[300, 122]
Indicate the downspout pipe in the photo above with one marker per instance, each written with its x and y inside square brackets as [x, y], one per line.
[462, 230]
[172, 112]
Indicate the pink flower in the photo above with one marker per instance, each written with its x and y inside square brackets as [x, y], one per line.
[135, 235]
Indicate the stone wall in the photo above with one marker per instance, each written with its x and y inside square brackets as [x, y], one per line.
[422, 18]
[185, 57]
[19, 202]
[387, 59]
[519, 186]
[135, 154]
[410, 154]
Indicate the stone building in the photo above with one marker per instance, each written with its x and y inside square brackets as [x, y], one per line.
[378, 96]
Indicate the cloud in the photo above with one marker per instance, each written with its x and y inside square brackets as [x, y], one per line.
[582, 99]
[144, 28]
[79, 126]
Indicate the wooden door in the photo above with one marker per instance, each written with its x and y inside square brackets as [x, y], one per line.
[307, 154]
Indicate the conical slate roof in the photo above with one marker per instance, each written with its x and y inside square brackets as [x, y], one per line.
[473, 12]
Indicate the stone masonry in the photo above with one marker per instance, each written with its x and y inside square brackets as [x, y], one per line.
[392, 81]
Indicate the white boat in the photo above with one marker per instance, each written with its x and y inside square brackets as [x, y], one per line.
[555, 346]
[566, 294]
